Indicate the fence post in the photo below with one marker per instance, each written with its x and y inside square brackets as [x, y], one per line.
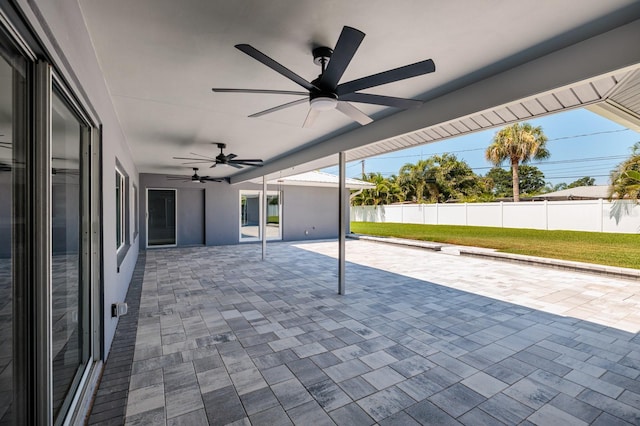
[466, 214]
[437, 218]
[546, 215]
[501, 214]
[401, 213]
[601, 203]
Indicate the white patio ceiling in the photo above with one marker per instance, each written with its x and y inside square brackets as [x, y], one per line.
[496, 62]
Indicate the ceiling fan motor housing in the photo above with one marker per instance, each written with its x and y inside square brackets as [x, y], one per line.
[321, 54]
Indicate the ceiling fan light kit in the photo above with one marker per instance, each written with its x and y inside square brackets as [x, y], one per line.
[325, 92]
[323, 103]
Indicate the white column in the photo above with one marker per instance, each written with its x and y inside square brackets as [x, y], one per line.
[263, 219]
[342, 226]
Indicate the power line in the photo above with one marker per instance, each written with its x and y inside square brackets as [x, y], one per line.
[588, 134]
[574, 177]
[482, 149]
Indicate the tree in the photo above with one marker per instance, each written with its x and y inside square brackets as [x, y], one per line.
[386, 191]
[439, 178]
[549, 187]
[413, 179]
[502, 183]
[625, 179]
[373, 196]
[518, 144]
[531, 180]
[451, 179]
[585, 181]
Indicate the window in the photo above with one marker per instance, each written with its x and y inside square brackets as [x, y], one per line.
[134, 201]
[121, 234]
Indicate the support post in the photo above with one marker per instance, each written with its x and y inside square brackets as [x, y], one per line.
[263, 219]
[342, 226]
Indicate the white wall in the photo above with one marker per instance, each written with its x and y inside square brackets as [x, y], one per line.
[308, 213]
[61, 29]
[585, 215]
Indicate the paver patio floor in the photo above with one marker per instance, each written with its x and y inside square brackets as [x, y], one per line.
[420, 338]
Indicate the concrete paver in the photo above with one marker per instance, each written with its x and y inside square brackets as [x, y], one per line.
[419, 335]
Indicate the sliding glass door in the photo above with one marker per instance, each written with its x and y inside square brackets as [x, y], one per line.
[252, 212]
[70, 301]
[49, 219]
[13, 214]
[161, 217]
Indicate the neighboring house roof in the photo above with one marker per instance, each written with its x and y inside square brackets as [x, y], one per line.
[318, 179]
[593, 192]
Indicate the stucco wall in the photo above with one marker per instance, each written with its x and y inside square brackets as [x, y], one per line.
[307, 212]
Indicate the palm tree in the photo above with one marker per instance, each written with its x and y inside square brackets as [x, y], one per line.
[374, 196]
[413, 178]
[517, 143]
[625, 179]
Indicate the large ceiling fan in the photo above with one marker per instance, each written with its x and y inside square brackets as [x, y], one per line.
[325, 93]
[196, 178]
[222, 159]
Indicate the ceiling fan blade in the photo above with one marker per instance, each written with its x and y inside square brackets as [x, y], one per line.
[197, 162]
[354, 113]
[231, 157]
[245, 160]
[279, 107]
[263, 91]
[194, 159]
[203, 156]
[235, 165]
[397, 74]
[277, 67]
[244, 163]
[368, 98]
[346, 47]
[311, 117]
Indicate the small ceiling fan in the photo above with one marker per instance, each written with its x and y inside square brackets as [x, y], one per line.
[324, 93]
[196, 178]
[222, 159]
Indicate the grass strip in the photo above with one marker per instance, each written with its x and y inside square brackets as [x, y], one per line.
[592, 247]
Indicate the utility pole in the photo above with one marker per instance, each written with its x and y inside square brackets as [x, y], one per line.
[362, 168]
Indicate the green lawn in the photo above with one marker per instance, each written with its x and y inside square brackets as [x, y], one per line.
[273, 219]
[592, 247]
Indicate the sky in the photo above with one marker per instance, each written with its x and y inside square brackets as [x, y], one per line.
[581, 143]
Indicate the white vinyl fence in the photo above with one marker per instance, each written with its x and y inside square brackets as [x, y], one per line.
[583, 215]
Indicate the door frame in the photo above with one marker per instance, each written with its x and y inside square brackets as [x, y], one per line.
[262, 214]
[175, 215]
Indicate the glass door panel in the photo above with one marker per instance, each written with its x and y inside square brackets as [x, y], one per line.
[274, 230]
[13, 104]
[249, 216]
[161, 217]
[69, 298]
